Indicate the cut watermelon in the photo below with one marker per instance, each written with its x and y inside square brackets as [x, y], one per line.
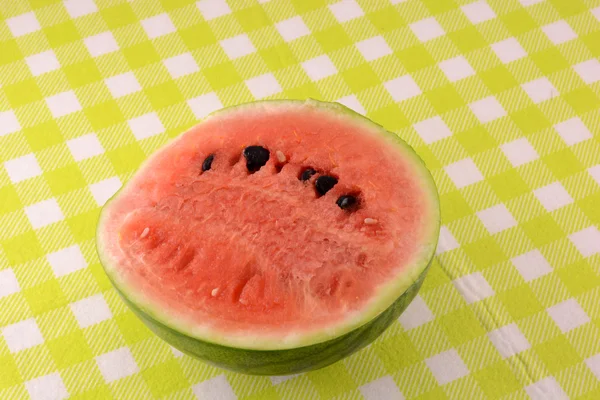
[274, 237]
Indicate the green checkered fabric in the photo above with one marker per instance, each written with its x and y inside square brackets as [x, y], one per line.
[500, 97]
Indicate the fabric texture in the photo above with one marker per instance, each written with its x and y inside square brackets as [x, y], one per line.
[500, 97]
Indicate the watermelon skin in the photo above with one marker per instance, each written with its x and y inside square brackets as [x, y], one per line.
[281, 362]
[315, 352]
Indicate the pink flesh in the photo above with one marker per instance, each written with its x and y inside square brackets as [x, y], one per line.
[261, 252]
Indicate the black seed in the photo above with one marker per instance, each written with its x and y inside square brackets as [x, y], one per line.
[208, 162]
[256, 157]
[346, 201]
[324, 183]
[307, 174]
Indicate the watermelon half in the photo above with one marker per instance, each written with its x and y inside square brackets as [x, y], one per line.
[274, 237]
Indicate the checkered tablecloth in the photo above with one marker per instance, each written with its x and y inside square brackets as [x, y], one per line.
[500, 97]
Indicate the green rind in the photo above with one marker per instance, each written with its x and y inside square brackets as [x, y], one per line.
[267, 356]
[281, 362]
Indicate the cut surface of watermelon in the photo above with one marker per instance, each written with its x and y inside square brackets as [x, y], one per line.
[271, 226]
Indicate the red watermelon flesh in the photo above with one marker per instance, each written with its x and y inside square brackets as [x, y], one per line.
[262, 253]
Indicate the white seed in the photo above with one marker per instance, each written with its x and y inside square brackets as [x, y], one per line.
[280, 156]
[243, 301]
[145, 233]
[214, 292]
[370, 221]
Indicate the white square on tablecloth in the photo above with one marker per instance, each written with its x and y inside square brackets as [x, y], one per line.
[79, 8]
[48, 387]
[276, 380]
[446, 241]
[478, 12]
[373, 48]
[238, 46]
[463, 173]
[62, 104]
[587, 241]
[8, 283]
[44, 213]
[85, 146]
[433, 129]
[589, 71]
[568, 315]
[381, 389]
[527, 3]
[181, 65]
[402, 88]
[546, 389]
[22, 335]
[595, 173]
[509, 50]
[292, 29]
[91, 310]
[205, 104]
[346, 10]
[123, 84]
[263, 86]
[158, 26]
[23, 24]
[559, 32]
[427, 29]
[496, 219]
[531, 265]
[146, 126]
[553, 196]
[215, 388]
[211, 9]
[117, 364]
[100, 44]
[416, 314]
[456, 68]
[42, 63]
[509, 340]
[319, 68]
[593, 364]
[447, 366]
[573, 131]
[352, 103]
[8, 122]
[473, 287]
[22, 168]
[487, 110]
[519, 152]
[104, 190]
[176, 353]
[540, 90]
[66, 261]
